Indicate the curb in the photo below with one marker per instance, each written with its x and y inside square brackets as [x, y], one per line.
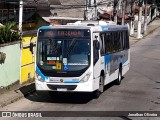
[15, 95]
[11, 101]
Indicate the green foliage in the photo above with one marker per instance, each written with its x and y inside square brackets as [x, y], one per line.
[7, 34]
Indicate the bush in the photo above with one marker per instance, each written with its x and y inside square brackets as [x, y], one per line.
[7, 34]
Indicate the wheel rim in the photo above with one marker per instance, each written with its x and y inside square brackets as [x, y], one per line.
[119, 76]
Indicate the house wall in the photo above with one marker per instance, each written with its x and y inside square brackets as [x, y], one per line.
[27, 59]
[10, 68]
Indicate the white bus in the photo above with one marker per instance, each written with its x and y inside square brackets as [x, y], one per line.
[81, 57]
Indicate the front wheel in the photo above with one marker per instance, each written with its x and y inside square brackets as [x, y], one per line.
[98, 92]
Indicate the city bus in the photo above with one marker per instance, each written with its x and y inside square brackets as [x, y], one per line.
[81, 57]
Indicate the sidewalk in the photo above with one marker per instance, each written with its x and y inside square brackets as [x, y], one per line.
[15, 94]
[150, 28]
[21, 91]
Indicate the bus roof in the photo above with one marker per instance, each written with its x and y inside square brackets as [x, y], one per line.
[97, 26]
[46, 27]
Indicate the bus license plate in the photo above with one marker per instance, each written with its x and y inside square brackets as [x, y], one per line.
[61, 89]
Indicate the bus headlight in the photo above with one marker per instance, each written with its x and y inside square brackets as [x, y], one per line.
[86, 77]
[39, 77]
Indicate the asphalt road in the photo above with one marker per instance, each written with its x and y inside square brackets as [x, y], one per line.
[139, 90]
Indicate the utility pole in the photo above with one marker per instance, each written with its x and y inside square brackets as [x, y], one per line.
[95, 7]
[115, 11]
[139, 35]
[123, 11]
[145, 18]
[20, 15]
[85, 11]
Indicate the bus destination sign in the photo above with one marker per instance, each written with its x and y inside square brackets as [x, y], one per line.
[64, 33]
[70, 33]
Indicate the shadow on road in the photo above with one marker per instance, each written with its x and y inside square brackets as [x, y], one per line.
[62, 97]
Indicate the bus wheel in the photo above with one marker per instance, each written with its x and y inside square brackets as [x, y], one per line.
[98, 92]
[101, 84]
[118, 80]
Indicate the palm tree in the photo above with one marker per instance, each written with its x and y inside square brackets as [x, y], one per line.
[7, 34]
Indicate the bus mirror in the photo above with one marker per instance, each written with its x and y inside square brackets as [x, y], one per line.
[96, 44]
[31, 47]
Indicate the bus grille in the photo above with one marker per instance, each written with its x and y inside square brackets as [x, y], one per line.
[68, 87]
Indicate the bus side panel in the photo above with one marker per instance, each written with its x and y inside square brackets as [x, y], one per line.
[97, 68]
[112, 64]
[126, 64]
[107, 59]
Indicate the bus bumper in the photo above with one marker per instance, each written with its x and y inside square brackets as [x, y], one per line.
[65, 87]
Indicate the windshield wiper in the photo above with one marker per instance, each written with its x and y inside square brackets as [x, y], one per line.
[71, 46]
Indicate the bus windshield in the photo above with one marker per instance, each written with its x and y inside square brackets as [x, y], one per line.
[55, 55]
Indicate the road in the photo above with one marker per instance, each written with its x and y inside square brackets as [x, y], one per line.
[139, 90]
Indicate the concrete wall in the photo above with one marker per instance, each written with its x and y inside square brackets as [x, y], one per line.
[10, 68]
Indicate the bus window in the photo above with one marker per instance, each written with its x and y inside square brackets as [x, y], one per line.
[102, 48]
[108, 42]
[96, 51]
[120, 41]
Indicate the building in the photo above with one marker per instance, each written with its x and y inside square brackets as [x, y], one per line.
[9, 12]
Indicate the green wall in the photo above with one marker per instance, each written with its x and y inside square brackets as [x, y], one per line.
[10, 69]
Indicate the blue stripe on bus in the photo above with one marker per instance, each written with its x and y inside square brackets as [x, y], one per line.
[70, 81]
[107, 61]
[123, 60]
[104, 28]
[113, 28]
[41, 74]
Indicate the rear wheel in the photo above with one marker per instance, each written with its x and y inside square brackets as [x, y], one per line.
[98, 92]
[118, 80]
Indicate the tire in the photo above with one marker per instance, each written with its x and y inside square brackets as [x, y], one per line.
[98, 92]
[101, 84]
[118, 80]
